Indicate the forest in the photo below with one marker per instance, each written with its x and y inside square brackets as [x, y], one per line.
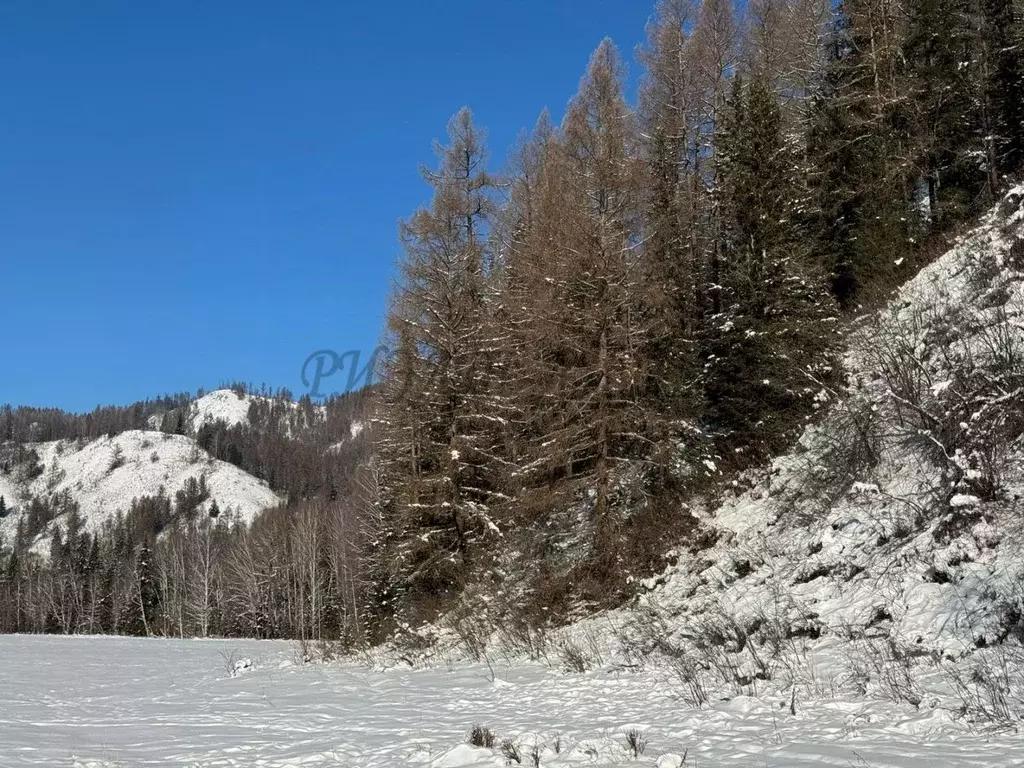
[646, 304]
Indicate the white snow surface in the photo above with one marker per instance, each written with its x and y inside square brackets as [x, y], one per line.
[179, 703]
[10, 491]
[221, 405]
[228, 406]
[102, 483]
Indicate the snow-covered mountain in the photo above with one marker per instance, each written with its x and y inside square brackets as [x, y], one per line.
[233, 408]
[223, 405]
[103, 476]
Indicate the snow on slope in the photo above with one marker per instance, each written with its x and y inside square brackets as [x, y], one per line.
[104, 475]
[10, 492]
[873, 532]
[222, 405]
[227, 406]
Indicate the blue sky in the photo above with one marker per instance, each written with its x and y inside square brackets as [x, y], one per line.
[196, 192]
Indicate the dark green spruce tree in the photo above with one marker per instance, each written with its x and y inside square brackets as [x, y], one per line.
[856, 145]
[775, 339]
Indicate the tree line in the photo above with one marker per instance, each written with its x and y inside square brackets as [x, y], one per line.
[652, 296]
[176, 563]
[165, 567]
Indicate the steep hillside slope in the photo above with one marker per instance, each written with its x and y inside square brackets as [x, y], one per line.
[887, 549]
[104, 476]
[880, 559]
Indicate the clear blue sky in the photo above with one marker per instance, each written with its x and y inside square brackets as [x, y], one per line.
[194, 192]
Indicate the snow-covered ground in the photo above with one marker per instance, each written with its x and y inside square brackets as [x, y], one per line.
[100, 701]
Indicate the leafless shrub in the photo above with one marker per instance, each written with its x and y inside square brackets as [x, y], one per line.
[992, 688]
[636, 742]
[328, 650]
[481, 736]
[302, 650]
[689, 674]
[845, 448]
[230, 661]
[473, 634]
[518, 635]
[573, 657]
[510, 750]
[890, 665]
[581, 651]
[954, 389]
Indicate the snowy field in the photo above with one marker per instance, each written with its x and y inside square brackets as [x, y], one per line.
[94, 702]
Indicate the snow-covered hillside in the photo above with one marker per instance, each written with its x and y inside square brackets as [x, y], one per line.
[900, 511]
[876, 570]
[104, 475]
[231, 408]
[221, 405]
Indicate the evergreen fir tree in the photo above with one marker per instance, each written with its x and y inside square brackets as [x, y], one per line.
[1002, 44]
[941, 72]
[856, 148]
[775, 337]
[671, 255]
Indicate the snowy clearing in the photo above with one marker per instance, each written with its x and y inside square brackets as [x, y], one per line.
[103, 701]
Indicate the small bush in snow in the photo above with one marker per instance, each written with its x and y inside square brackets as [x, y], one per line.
[233, 664]
[890, 665]
[844, 449]
[636, 742]
[511, 752]
[574, 658]
[481, 736]
[473, 634]
[303, 650]
[991, 689]
[519, 636]
[690, 677]
[535, 756]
